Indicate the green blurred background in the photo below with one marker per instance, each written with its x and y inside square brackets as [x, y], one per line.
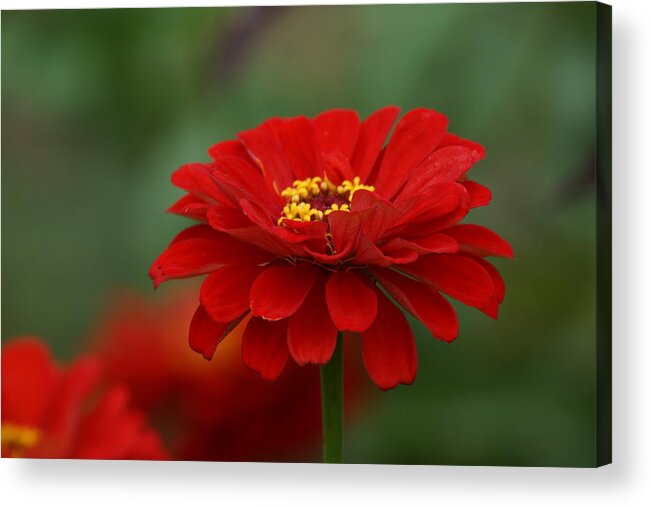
[99, 106]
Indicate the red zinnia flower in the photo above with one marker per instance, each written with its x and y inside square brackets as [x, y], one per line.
[44, 413]
[305, 219]
[220, 411]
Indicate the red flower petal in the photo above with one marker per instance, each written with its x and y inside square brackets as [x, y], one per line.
[337, 130]
[445, 164]
[368, 253]
[480, 241]
[352, 304]
[239, 179]
[491, 308]
[224, 218]
[197, 180]
[372, 134]
[264, 347]
[297, 231]
[300, 147]
[478, 151]
[345, 230]
[382, 214]
[268, 156]
[457, 275]
[444, 198]
[272, 128]
[190, 206]
[244, 229]
[416, 136]
[225, 292]
[434, 243]
[376, 166]
[280, 291]
[294, 234]
[422, 301]
[441, 222]
[199, 250]
[337, 167]
[388, 347]
[206, 334]
[479, 194]
[231, 148]
[350, 235]
[289, 239]
[29, 377]
[311, 334]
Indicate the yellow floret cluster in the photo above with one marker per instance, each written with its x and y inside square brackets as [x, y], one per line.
[301, 192]
[18, 438]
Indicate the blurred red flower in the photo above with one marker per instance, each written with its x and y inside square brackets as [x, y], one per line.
[45, 412]
[221, 411]
[304, 219]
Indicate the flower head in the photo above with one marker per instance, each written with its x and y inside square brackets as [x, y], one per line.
[45, 412]
[309, 225]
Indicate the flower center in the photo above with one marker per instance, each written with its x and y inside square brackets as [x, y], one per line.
[16, 439]
[315, 198]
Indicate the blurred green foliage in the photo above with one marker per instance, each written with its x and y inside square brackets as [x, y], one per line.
[99, 106]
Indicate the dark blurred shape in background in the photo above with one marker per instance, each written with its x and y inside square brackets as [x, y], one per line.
[99, 106]
[240, 36]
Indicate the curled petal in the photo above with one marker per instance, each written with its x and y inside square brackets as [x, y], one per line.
[491, 308]
[190, 206]
[479, 194]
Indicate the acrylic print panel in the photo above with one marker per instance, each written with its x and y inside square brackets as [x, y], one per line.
[387, 238]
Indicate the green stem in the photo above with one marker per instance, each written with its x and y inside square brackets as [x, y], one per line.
[332, 409]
